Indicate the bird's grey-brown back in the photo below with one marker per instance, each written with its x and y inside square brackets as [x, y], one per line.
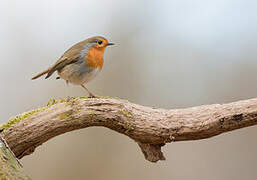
[80, 63]
[72, 55]
[69, 56]
[77, 72]
[78, 50]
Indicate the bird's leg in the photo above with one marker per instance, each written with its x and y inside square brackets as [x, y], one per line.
[67, 91]
[90, 94]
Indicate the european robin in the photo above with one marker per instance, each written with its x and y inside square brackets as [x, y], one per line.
[81, 63]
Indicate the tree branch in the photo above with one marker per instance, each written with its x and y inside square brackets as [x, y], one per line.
[10, 168]
[150, 128]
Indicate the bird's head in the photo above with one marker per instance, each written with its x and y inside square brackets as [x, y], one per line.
[99, 42]
[95, 54]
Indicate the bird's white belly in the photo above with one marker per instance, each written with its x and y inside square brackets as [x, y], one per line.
[77, 74]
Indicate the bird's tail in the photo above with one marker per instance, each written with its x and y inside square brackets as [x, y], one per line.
[41, 74]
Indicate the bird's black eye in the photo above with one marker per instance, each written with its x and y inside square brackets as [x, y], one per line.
[100, 42]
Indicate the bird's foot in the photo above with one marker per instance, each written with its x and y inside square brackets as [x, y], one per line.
[92, 96]
[69, 98]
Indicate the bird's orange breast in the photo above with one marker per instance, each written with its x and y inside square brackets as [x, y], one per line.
[95, 58]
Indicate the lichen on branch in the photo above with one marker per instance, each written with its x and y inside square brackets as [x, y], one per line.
[151, 128]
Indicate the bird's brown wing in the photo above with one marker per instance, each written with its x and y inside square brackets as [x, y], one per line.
[72, 55]
[69, 57]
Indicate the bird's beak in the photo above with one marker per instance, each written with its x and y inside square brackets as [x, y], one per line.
[110, 44]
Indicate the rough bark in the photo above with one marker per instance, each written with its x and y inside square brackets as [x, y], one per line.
[10, 168]
[151, 128]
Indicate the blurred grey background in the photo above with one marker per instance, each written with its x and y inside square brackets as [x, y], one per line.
[169, 54]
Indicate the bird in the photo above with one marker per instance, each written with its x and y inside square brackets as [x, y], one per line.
[80, 63]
